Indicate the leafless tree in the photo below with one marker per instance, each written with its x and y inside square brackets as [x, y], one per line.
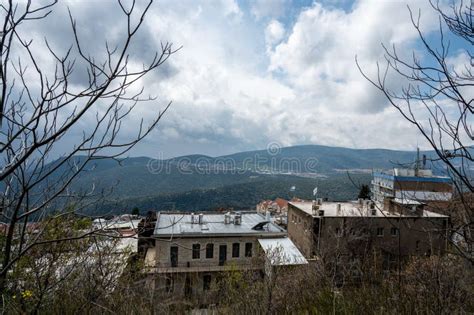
[41, 107]
[437, 99]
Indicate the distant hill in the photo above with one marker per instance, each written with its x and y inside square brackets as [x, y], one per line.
[241, 196]
[238, 180]
[330, 159]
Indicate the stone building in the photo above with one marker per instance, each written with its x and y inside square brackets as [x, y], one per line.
[400, 228]
[190, 250]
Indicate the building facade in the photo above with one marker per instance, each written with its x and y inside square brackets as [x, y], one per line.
[190, 251]
[420, 185]
[353, 228]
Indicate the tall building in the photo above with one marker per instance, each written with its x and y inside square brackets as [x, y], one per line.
[411, 184]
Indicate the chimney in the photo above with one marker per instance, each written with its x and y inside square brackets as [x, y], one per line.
[267, 216]
[227, 218]
[338, 209]
[315, 208]
[192, 217]
[237, 219]
[201, 218]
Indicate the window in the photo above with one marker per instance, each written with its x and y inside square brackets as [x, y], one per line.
[338, 232]
[206, 282]
[248, 249]
[394, 231]
[222, 254]
[235, 250]
[380, 231]
[210, 250]
[174, 256]
[188, 287]
[169, 285]
[196, 251]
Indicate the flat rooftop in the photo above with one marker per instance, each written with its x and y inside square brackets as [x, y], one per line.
[180, 224]
[353, 209]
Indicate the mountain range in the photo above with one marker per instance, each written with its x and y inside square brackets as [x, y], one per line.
[240, 180]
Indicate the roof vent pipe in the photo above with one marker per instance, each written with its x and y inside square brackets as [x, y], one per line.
[192, 218]
[338, 209]
[201, 218]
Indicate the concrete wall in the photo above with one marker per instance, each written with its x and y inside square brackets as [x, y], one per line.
[416, 235]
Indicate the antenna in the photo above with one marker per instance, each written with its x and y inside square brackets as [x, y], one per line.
[417, 163]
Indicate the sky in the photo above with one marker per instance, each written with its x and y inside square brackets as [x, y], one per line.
[254, 73]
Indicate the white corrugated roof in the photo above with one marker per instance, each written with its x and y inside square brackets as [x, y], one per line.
[282, 251]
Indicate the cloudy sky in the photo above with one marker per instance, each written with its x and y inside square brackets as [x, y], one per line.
[252, 73]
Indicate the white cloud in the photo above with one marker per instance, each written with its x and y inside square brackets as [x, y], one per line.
[269, 8]
[312, 91]
[319, 55]
[274, 33]
[240, 82]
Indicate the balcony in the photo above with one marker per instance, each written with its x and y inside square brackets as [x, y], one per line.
[204, 268]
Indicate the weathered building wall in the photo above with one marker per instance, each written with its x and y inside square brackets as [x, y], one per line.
[185, 251]
[300, 230]
[356, 234]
